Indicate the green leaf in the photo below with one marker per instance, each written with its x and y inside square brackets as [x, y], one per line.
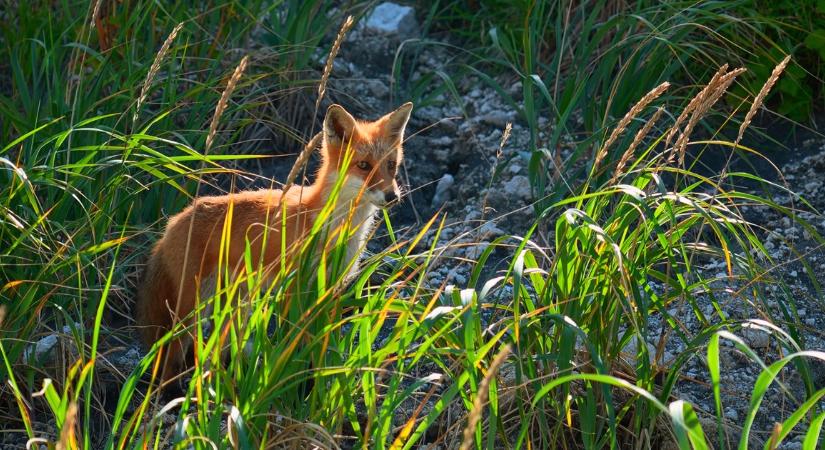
[812, 436]
[687, 427]
[815, 40]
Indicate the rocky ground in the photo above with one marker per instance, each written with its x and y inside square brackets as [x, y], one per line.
[451, 153]
[455, 148]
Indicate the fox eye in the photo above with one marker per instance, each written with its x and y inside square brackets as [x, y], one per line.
[392, 165]
[363, 165]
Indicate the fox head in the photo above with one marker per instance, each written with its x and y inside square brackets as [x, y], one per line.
[376, 153]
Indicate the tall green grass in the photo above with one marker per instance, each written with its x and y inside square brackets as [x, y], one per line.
[534, 357]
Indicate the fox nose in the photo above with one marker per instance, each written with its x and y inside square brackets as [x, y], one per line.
[390, 197]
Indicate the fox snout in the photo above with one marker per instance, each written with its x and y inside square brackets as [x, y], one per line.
[382, 198]
[390, 197]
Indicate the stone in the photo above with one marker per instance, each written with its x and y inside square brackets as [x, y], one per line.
[392, 20]
[378, 88]
[41, 350]
[489, 230]
[496, 119]
[755, 338]
[518, 187]
[442, 141]
[474, 251]
[442, 190]
[631, 349]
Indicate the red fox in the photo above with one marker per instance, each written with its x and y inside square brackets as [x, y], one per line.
[189, 251]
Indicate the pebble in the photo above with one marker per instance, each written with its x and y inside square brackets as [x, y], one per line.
[474, 252]
[490, 230]
[755, 338]
[519, 187]
[442, 141]
[497, 119]
[393, 20]
[41, 349]
[378, 88]
[442, 191]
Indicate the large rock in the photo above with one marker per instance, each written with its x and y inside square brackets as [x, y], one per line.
[392, 20]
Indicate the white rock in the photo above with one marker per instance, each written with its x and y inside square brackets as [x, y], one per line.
[475, 251]
[631, 350]
[443, 141]
[392, 19]
[40, 349]
[490, 230]
[518, 186]
[442, 190]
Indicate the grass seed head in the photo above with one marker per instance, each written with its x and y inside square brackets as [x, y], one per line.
[154, 68]
[760, 97]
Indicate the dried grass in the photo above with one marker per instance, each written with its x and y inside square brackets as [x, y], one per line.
[481, 398]
[154, 68]
[692, 105]
[704, 101]
[221, 107]
[637, 139]
[303, 157]
[622, 126]
[760, 98]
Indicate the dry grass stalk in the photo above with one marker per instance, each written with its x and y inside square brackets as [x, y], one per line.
[760, 98]
[153, 70]
[481, 398]
[303, 157]
[640, 135]
[95, 12]
[68, 435]
[333, 52]
[505, 136]
[711, 94]
[622, 126]
[692, 105]
[221, 107]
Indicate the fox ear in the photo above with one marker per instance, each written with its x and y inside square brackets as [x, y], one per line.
[396, 121]
[338, 124]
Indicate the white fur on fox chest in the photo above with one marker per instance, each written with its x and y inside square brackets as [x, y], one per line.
[363, 216]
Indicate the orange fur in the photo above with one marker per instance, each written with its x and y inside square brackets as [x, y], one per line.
[175, 273]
